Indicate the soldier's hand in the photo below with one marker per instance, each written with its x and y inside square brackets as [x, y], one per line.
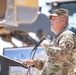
[29, 62]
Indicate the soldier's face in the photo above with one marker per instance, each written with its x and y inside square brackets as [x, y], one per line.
[56, 23]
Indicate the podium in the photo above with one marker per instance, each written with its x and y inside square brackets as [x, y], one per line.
[6, 62]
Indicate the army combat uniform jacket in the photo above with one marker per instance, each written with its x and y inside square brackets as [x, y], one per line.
[61, 58]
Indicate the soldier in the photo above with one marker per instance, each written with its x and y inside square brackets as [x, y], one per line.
[61, 51]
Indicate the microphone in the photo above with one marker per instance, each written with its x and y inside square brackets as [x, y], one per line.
[43, 38]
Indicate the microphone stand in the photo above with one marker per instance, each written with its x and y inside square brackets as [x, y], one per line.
[34, 49]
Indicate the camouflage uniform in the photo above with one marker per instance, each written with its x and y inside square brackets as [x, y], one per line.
[59, 62]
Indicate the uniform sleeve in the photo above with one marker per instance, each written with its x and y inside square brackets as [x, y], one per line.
[67, 41]
[39, 63]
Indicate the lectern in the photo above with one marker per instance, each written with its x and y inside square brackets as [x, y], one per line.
[6, 62]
